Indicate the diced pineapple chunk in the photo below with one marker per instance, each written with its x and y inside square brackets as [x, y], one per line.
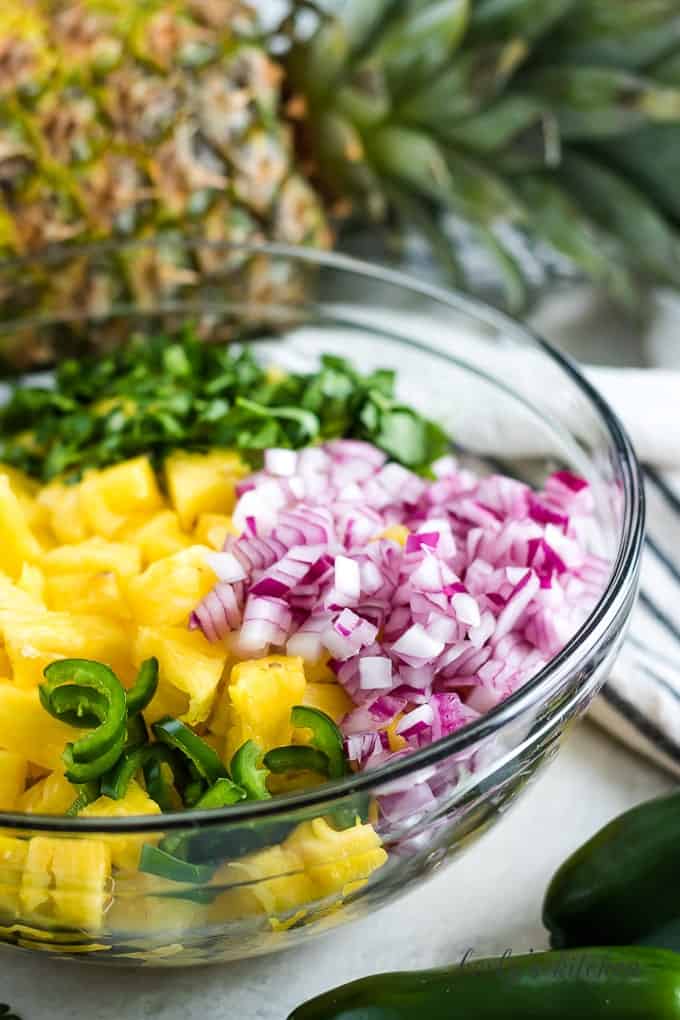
[141, 904]
[293, 782]
[130, 487]
[274, 879]
[66, 881]
[262, 693]
[32, 581]
[329, 698]
[13, 772]
[168, 591]
[14, 599]
[212, 530]
[158, 536]
[190, 671]
[93, 556]
[52, 795]
[396, 533]
[26, 490]
[35, 638]
[28, 730]
[319, 672]
[313, 863]
[125, 849]
[395, 740]
[107, 497]
[200, 483]
[336, 861]
[18, 541]
[62, 503]
[218, 722]
[87, 593]
[13, 853]
[22, 484]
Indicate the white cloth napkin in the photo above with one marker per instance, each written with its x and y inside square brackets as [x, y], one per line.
[640, 703]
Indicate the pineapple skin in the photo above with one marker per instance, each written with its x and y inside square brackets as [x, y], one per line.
[127, 121]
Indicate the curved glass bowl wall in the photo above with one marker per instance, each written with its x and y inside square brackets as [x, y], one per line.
[510, 403]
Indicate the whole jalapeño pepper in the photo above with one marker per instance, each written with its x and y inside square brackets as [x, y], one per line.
[623, 884]
[616, 983]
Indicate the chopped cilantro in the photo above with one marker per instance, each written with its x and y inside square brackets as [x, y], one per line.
[160, 393]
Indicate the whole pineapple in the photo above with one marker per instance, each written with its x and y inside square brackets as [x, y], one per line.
[556, 119]
[120, 119]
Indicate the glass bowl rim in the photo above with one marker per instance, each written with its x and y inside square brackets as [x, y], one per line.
[623, 576]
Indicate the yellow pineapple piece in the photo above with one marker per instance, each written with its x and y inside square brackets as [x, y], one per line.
[93, 556]
[130, 487]
[273, 881]
[5, 665]
[218, 722]
[98, 516]
[22, 484]
[28, 730]
[107, 497]
[293, 782]
[158, 536]
[13, 772]
[32, 581]
[62, 506]
[336, 861]
[36, 772]
[125, 850]
[168, 590]
[19, 544]
[212, 530]
[66, 881]
[320, 672]
[14, 598]
[396, 741]
[215, 741]
[87, 593]
[26, 490]
[35, 638]
[262, 693]
[200, 483]
[140, 906]
[396, 533]
[36, 514]
[190, 671]
[13, 853]
[328, 698]
[52, 795]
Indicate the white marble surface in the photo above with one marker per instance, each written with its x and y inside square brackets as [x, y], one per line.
[488, 900]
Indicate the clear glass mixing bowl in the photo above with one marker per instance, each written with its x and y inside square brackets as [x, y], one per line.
[510, 402]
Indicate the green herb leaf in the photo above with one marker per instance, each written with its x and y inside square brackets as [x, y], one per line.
[161, 393]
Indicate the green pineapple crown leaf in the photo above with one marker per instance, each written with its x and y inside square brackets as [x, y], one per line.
[561, 117]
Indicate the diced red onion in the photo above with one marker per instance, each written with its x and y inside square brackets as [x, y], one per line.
[280, 462]
[413, 723]
[218, 613]
[466, 609]
[375, 673]
[226, 566]
[493, 580]
[417, 647]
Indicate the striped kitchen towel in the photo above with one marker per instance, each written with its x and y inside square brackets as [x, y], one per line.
[640, 703]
